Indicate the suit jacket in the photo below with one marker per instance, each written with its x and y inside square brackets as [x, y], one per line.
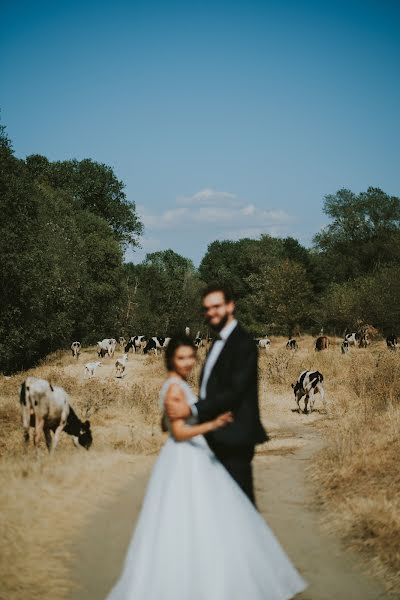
[233, 386]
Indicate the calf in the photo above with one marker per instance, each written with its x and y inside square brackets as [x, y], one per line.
[90, 368]
[391, 342]
[291, 344]
[47, 408]
[120, 365]
[156, 343]
[307, 385]
[122, 342]
[321, 343]
[76, 349]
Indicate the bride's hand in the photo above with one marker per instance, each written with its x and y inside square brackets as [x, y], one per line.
[223, 419]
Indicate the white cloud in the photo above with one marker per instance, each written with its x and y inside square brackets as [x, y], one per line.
[207, 196]
[221, 209]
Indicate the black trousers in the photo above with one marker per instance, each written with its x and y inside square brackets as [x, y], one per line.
[237, 461]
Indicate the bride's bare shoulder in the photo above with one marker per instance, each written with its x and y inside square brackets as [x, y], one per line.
[174, 390]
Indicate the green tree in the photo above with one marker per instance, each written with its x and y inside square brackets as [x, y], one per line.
[364, 233]
[282, 295]
[94, 187]
[61, 275]
[163, 295]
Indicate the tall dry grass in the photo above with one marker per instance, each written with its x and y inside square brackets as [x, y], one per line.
[43, 499]
[357, 473]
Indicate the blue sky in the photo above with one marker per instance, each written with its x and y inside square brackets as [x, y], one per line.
[224, 119]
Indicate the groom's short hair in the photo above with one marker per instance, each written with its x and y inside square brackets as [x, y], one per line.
[218, 287]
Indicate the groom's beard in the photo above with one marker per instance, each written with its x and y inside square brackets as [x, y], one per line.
[220, 325]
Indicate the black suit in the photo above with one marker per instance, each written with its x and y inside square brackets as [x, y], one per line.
[233, 386]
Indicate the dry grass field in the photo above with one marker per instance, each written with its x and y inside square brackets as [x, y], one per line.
[45, 501]
[357, 476]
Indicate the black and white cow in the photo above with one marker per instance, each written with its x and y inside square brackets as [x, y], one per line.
[291, 344]
[156, 344]
[351, 338]
[307, 385]
[391, 342]
[344, 347]
[47, 408]
[75, 349]
[137, 342]
[263, 342]
[199, 342]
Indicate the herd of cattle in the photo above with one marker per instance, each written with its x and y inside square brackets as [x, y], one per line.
[47, 408]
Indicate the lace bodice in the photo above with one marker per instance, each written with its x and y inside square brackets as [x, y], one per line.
[190, 396]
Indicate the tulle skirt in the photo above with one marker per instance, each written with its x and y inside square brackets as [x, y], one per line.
[198, 537]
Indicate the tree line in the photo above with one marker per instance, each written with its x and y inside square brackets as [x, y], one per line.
[64, 229]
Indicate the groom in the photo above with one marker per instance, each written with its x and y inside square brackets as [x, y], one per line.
[228, 382]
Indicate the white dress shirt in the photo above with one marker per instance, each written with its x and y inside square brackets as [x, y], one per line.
[213, 357]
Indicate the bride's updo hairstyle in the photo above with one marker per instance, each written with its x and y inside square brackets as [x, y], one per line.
[176, 342]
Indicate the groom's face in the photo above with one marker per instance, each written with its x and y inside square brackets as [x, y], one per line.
[217, 311]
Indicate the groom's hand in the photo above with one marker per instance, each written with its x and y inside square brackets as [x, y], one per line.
[177, 407]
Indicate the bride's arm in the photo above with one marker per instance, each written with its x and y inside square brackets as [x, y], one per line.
[181, 431]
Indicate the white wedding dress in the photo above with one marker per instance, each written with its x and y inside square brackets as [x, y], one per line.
[198, 536]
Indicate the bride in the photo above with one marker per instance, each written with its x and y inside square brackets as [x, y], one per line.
[198, 536]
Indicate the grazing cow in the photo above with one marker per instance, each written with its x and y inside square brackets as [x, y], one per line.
[156, 343]
[321, 343]
[264, 342]
[120, 364]
[76, 349]
[291, 344]
[122, 342]
[391, 342]
[106, 346]
[47, 408]
[187, 331]
[351, 338]
[102, 350]
[137, 342]
[90, 368]
[364, 335]
[364, 341]
[344, 347]
[307, 385]
[198, 342]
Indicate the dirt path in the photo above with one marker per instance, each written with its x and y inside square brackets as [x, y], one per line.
[284, 498]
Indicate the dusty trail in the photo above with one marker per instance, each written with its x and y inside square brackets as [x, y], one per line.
[284, 498]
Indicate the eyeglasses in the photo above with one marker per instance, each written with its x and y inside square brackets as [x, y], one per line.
[207, 309]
